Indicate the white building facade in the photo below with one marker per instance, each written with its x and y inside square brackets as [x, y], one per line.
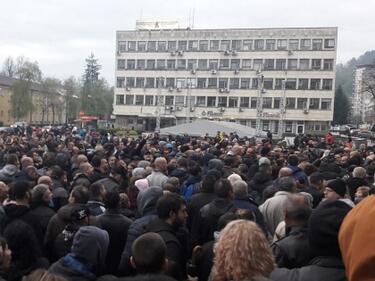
[277, 79]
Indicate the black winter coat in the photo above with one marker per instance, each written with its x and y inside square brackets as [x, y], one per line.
[43, 214]
[117, 227]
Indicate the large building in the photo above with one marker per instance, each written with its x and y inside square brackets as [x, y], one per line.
[277, 79]
[362, 99]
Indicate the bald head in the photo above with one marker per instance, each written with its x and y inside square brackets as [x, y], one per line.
[240, 188]
[45, 180]
[27, 162]
[81, 159]
[285, 172]
[86, 168]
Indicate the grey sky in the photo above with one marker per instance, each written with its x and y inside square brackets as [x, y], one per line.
[60, 34]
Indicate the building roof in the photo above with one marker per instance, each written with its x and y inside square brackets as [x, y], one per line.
[9, 81]
[203, 127]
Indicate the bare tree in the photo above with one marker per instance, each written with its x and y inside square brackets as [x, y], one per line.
[9, 67]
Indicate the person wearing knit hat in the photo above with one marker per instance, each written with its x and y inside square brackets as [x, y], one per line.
[336, 190]
[327, 265]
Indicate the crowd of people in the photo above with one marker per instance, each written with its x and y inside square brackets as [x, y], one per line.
[94, 206]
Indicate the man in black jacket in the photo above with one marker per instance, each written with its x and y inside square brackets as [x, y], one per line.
[117, 227]
[172, 214]
[315, 188]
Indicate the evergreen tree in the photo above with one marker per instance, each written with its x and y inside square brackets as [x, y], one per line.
[90, 84]
[342, 107]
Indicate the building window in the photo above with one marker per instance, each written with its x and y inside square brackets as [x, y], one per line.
[305, 44]
[270, 44]
[223, 83]
[162, 46]
[304, 64]
[213, 64]
[278, 83]
[280, 64]
[314, 103]
[193, 45]
[258, 64]
[202, 64]
[132, 45]
[181, 64]
[290, 103]
[302, 103]
[191, 82]
[139, 82]
[120, 82]
[169, 100]
[141, 64]
[288, 126]
[181, 83]
[328, 64]
[327, 84]
[170, 83]
[171, 64]
[244, 102]
[203, 45]
[211, 101]
[316, 64]
[233, 102]
[151, 46]
[192, 64]
[247, 45]
[121, 47]
[182, 45]
[172, 45]
[119, 100]
[139, 100]
[225, 45]
[130, 64]
[276, 103]
[292, 64]
[293, 44]
[267, 103]
[253, 102]
[130, 82]
[160, 64]
[214, 45]
[236, 45]
[201, 102]
[150, 82]
[246, 63]
[245, 83]
[150, 64]
[159, 100]
[268, 83]
[224, 64]
[222, 102]
[141, 46]
[129, 99]
[120, 64]
[329, 43]
[282, 44]
[159, 82]
[303, 84]
[254, 84]
[212, 83]
[317, 44]
[180, 100]
[326, 104]
[291, 84]
[201, 83]
[235, 64]
[315, 84]
[265, 125]
[234, 83]
[269, 64]
[258, 44]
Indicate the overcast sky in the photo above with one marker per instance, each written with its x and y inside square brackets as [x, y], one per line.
[60, 34]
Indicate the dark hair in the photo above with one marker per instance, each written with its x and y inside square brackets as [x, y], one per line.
[316, 178]
[112, 200]
[49, 159]
[12, 159]
[95, 189]
[297, 211]
[56, 172]
[287, 184]
[168, 203]
[18, 190]
[229, 160]
[96, 161]
[293, 160]
[208, 184]
[225, 219]
[119, 170]
[194, 168]
[149, 253]
[223, 188]
[80, 194]
[150, 277]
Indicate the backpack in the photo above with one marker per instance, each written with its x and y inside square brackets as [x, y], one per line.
[188, 190]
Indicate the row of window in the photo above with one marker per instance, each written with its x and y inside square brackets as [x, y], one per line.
[231, 102]
[226, 83]
[226, 64]
[226, 45]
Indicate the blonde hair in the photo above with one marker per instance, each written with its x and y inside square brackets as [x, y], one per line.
[242, 252]
[43, 275]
